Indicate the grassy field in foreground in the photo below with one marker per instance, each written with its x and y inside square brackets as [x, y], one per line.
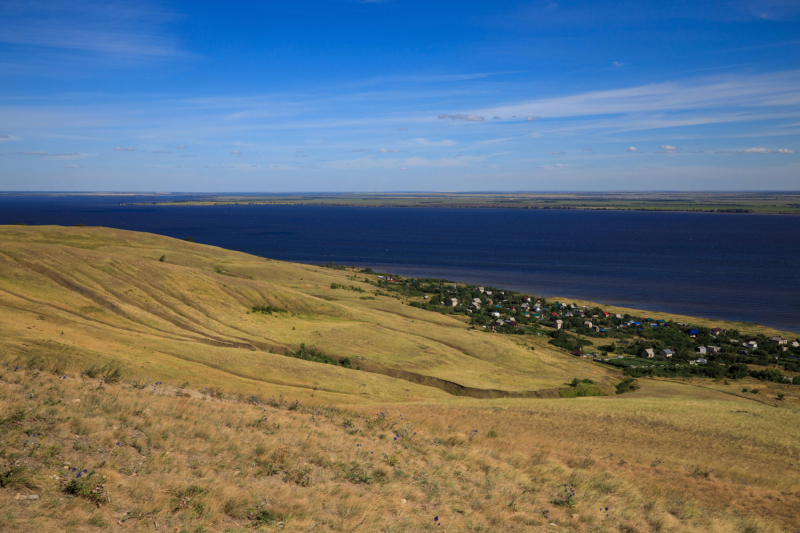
[717, 202]
[210, 427]
[161, 458]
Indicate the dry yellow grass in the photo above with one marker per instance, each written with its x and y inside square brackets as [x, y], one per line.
[166, 459]
[195, 453]
[99, 294]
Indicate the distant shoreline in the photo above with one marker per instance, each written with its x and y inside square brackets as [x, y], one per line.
[488, 206]
[723, 202]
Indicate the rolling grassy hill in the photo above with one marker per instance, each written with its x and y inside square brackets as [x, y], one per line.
[139, 359]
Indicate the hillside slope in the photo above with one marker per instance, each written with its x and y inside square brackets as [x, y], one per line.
[99, 294]
[210, 427]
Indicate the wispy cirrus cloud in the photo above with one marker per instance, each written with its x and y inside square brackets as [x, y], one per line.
[238, 166]
[669, 149]
[763, 90]
[120, 149]
[557, 166]
[367, 163]
[113, 29]
[7, 138]
[757, 151]
[39, 153]
[428, 142]
[460, 116]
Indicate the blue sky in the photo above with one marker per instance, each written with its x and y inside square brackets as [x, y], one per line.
[399, 95]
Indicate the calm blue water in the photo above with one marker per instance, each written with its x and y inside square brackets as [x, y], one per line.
[731, 267]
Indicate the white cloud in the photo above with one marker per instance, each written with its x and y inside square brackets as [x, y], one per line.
[556, 153]
[72, 166]
[371, 163]
[120, 149]
[781, 88]
[386, 151]
[459, 116]
[669, 149]
[557, 166]
[180, 147]
[236, 152]
[756, 151]
[56, 156]
[428, 142]
[5, 138]
[616, 64]
[496, 118]
[530, 119]
[112, 29]
[632, 149]
[239, 166]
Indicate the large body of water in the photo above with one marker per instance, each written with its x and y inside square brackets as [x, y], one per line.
[731, 267]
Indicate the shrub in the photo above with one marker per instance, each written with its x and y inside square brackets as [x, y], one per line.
[300, 476]
[113, 375]
[628, 385]
[139, 383]
[334, 266]
[182, 499]
[94, 371]
[265, 516]
[310, 354]
[17, 477]
[738, 370]
[769, 374]
[267, 309]
[86, 485]
[357, 474]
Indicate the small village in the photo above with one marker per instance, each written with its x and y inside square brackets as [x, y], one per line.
[640, 346]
